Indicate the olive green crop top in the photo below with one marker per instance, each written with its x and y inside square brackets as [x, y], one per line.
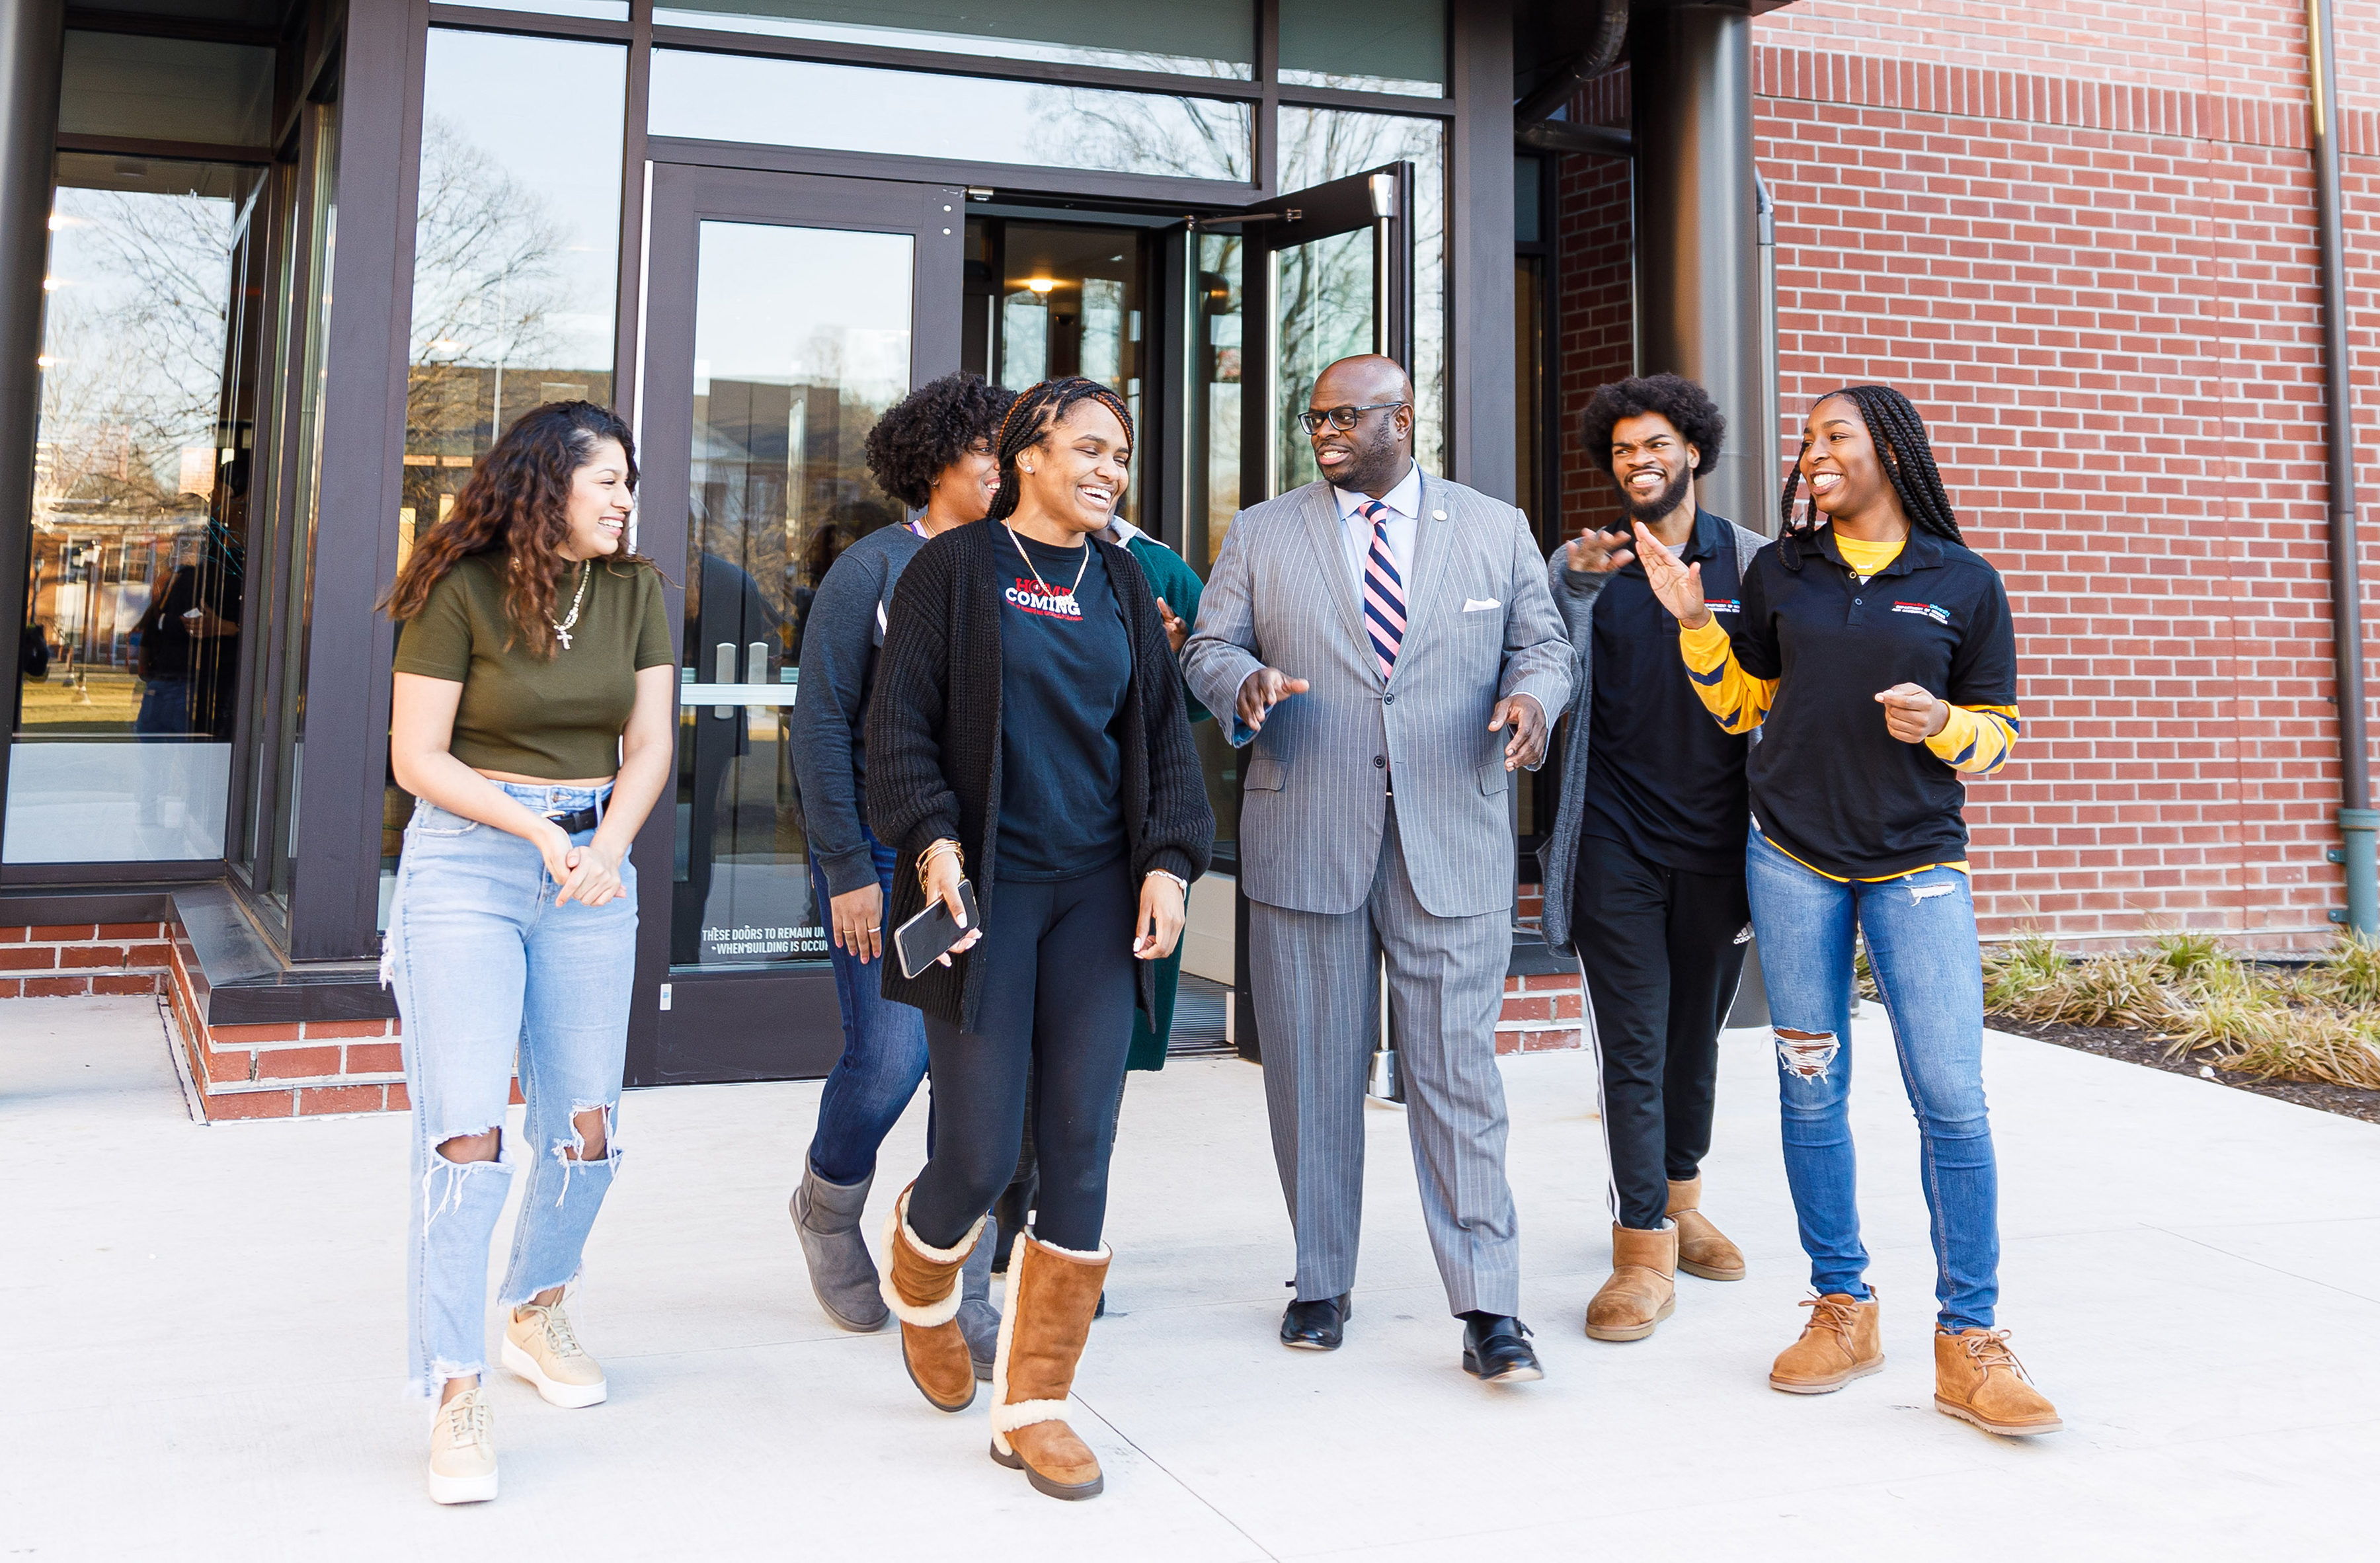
[558, 721]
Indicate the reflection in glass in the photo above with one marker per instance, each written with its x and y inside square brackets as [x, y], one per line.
[1321, 144]
[843, 108]
[135, 573]
[515, 266]
[1380, 46]
[1198, 37]
[801, 343]
[1215, 399]
[166, 89]
[1322, 312]
[305, 456]
[596, 10]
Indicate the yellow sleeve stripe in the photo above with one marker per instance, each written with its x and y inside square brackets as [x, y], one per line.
[1977, 740]
[1734, 698]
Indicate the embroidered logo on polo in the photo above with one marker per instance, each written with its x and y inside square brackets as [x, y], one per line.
[1034, 598]
[1723, 605]
[1940, 616]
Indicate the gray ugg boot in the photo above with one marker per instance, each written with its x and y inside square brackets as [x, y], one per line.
[978, 1320]
[826, 1216]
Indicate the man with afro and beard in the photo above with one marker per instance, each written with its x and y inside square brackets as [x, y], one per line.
[1644, 869]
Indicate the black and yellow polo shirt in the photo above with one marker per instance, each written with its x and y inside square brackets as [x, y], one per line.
[1828, 623]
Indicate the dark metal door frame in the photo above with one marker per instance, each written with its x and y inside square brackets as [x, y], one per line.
[780, 1021]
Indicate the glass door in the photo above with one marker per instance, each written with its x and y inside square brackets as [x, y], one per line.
[786, 315]
[1277, 292]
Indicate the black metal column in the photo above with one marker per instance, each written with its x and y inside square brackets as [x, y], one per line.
[1698, 237]
[1480, 360]
[31, 40]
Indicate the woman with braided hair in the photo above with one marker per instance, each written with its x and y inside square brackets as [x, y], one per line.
[1027, 733]
[1857, 829]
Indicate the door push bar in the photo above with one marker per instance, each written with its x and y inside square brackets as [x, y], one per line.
[724, 695]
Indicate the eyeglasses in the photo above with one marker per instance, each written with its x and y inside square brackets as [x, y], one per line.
[1342, 419]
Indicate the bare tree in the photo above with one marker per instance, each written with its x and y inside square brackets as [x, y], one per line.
[487, 281]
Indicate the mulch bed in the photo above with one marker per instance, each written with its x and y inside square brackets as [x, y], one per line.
[2138, 1046]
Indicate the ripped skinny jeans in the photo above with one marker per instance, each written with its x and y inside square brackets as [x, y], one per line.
[489, 975]
[1921, 943]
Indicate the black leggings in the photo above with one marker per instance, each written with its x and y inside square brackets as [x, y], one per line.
[1056, 1025]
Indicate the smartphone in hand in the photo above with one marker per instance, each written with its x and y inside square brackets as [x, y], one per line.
[930, 933]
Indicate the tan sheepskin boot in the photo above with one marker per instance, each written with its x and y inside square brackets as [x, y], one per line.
[921, 1287]
[1978, 1379]
[1702, 1249]
[1643, 1289]
[1052, 1293]
[1841, 1342]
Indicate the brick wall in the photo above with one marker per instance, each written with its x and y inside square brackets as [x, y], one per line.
[2079, 237]
[77, 959]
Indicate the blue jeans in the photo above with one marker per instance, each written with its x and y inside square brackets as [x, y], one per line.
[491, 975]
[883, 1048]
[1921, 944]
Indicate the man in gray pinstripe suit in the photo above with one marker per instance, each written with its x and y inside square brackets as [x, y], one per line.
[1387, 642]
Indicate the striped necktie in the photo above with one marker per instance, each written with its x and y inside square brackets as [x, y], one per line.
[1384, 592]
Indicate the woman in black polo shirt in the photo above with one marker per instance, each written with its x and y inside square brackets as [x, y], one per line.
[1877, 656]
[1027, 730]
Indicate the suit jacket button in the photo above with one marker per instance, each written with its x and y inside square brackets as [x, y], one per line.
[1387, 700]
[1379, 762]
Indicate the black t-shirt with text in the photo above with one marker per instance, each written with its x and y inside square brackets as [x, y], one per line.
[1830, 784]
[1065, 669]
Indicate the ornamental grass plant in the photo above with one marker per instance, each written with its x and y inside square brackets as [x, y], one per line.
[2316, 1023]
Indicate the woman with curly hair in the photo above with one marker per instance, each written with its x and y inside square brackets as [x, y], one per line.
[1028, 732]
[535, 708]
[1881, 653]
[933, 453]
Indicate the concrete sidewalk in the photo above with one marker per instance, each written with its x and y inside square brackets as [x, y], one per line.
[203, 1326]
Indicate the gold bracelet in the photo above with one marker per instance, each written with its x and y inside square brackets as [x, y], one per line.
[935, 849]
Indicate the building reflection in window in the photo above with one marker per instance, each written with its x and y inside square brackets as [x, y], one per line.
[137, 569]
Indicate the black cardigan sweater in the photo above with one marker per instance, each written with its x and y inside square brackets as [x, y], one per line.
[934, 749]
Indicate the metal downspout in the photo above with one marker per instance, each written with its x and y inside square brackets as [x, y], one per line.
[2357, 820]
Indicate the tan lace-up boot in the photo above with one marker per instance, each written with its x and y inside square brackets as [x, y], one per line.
[921, 1287]
[1840, 1343]
[463, 1450]
[1052, 1293]
[1978, 1379]
[541, 1346]
[1702, 1249]
[1643, 1289]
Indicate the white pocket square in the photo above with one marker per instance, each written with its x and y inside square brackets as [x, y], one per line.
[1479, 604]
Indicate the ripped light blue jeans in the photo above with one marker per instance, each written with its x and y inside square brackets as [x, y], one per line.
[1921, 944]
[491, 976]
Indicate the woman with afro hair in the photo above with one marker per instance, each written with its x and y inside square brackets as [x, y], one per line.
[933, 453]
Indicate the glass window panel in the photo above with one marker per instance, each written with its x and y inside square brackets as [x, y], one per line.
[801, 343]
[166, 89]
[1194, 37]
[595, 10]
[854, 108]
[1321, 144]
[516, 271]
[137, 563]
[306, 431]
[1070, 303]
[1381, 46]
[1322, 312]
[1529, 185]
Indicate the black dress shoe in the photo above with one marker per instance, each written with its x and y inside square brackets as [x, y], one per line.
[1317, 1326]
[1496, 1350]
